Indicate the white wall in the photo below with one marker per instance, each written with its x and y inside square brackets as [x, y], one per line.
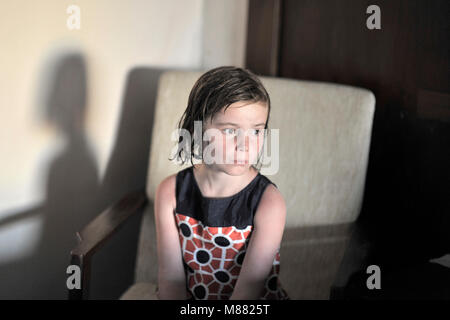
[63, 97]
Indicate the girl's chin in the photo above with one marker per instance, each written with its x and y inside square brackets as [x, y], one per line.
[234, 169]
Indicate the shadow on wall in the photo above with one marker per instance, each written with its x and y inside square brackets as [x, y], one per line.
[74, 194]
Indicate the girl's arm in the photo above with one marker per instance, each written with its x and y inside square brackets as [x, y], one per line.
[269, 222]
[171, 276]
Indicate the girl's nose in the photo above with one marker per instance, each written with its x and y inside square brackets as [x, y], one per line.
[242, 141]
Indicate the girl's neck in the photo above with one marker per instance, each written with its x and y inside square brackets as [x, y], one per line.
[215, 183]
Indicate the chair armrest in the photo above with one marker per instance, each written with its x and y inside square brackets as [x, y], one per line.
[355, 259]
[97, 232]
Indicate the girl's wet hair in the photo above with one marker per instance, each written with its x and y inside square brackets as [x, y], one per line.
[217, 88]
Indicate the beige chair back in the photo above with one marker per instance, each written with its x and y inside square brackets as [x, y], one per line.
[324, 138]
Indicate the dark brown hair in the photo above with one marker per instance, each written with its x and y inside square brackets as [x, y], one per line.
[218, 88]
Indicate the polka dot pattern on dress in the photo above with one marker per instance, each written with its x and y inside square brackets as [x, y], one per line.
[214, 257]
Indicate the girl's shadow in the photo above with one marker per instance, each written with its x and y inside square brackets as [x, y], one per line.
[72, 193]
[75, 195]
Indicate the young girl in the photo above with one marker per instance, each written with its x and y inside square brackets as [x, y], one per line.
[219, 224]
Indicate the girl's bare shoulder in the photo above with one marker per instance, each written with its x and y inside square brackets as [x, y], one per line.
[273, 197]
[272, 206]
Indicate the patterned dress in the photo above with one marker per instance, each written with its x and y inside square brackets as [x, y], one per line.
[214, 236]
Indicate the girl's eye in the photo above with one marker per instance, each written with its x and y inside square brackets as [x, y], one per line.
[256, 131]
[229, 131]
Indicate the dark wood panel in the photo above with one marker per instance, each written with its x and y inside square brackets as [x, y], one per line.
[262, 51]
[329, 41]
[433, 105]
[406, 65]
[433, 26]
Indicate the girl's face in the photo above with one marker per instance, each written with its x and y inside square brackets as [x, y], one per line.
[240, 129]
